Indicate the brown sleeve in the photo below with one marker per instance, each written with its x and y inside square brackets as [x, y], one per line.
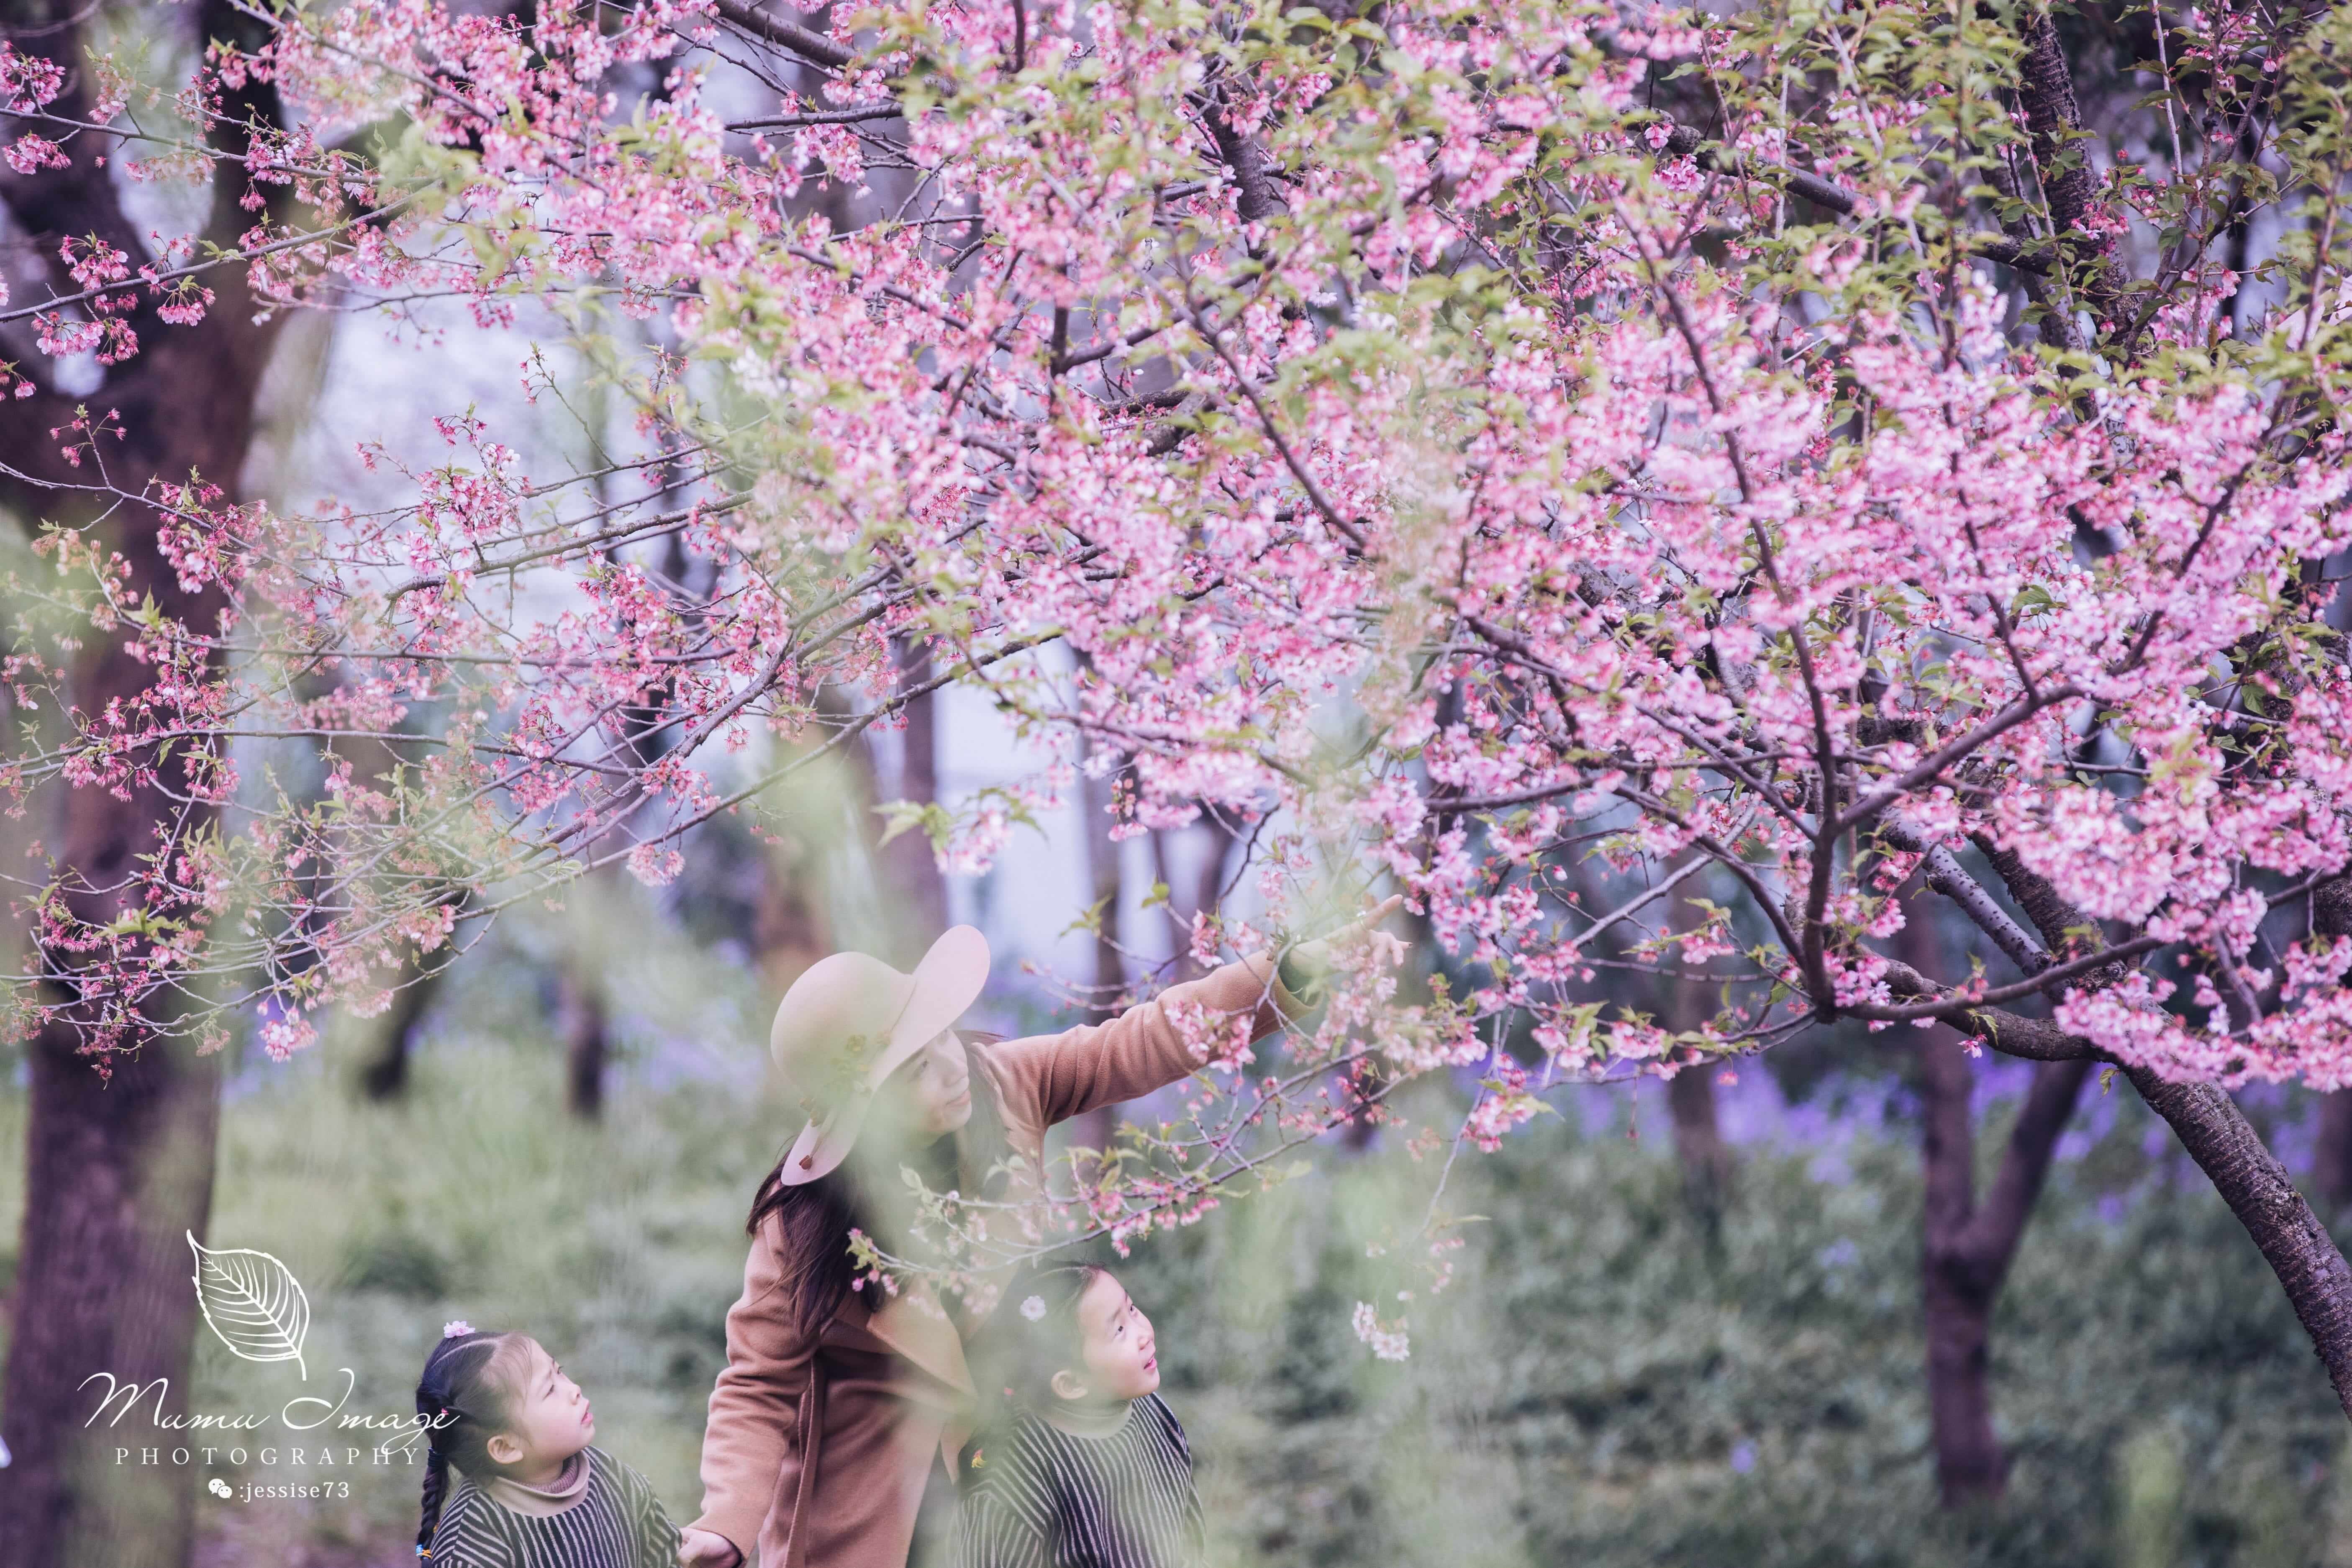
[1047, 1079]
[747, 1440]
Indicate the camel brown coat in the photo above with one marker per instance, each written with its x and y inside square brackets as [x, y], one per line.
[874, 1393]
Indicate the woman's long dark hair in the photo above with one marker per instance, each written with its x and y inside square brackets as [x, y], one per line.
[462, 1405]
[814, 1219]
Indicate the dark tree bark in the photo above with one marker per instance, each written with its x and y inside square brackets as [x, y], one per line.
[788, 926]
[2208, 1124]
[118, 1170]
[2045, 92]
[2263, 1198]
[1699, 1147]
[1966, 1249]
[385, 1076]
[1105, 887]
[2331, 1163]
[580, 1013]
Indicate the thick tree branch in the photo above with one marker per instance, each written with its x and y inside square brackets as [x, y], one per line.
[2260, 1193]
[1246, 156]
[1989, 1240]
[799, 40]
[2229, 1150]
[1684, 141]
[1948, 876]
[2011, 1034]
[2053, 121]
[2065, 930]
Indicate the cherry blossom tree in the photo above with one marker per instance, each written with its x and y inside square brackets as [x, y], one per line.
[1594, 471]
[117, 1170]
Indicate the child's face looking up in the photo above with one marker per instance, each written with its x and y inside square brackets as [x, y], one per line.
[548, 1420]
[1120, 1354]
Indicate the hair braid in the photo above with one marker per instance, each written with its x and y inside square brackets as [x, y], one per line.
[459, 1407]
[436, 1486]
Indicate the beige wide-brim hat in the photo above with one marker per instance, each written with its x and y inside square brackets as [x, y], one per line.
[848, 1021]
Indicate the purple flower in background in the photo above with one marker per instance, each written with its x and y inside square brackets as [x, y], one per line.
[1743, 1457]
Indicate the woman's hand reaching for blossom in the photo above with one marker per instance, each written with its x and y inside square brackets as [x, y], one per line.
[1304, 966]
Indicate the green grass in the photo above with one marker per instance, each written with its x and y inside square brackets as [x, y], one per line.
[1600, 1387]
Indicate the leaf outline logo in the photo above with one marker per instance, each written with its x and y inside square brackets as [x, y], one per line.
[252, 1303]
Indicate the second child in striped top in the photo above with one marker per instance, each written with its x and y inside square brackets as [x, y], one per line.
[1084, 1466]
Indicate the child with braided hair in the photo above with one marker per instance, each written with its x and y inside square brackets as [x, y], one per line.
[529, 1490]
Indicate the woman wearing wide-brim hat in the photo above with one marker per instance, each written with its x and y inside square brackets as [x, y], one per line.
[825, 1425]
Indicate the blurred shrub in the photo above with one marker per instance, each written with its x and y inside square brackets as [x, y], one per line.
[397, 1261]
[1599, 1388]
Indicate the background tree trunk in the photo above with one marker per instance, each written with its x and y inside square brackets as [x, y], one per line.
[2331, 1155]
[1699, 1148]
[580, 1017]
[1966, 1248]
[118, 1170]
[385, 1076]
[910, 869]
[1105, 887]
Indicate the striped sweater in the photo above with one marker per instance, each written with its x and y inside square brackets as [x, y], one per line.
[618, 1522]
[1037, 1496]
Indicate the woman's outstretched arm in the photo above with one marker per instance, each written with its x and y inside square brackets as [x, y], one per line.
[1047, 1079]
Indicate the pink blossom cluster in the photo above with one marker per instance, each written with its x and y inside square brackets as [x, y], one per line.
[1366, 415]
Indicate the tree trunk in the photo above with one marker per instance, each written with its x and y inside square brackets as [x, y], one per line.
[2259, 1192]
[586, 1045]
[385, 1076]
[120, 1172]
[1105, 887]
[119, 1168]
[909, 866]
[788, 927]
[1699, 1147]
[1958, 1310]
[2331, 1155]
[1967, 1250]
